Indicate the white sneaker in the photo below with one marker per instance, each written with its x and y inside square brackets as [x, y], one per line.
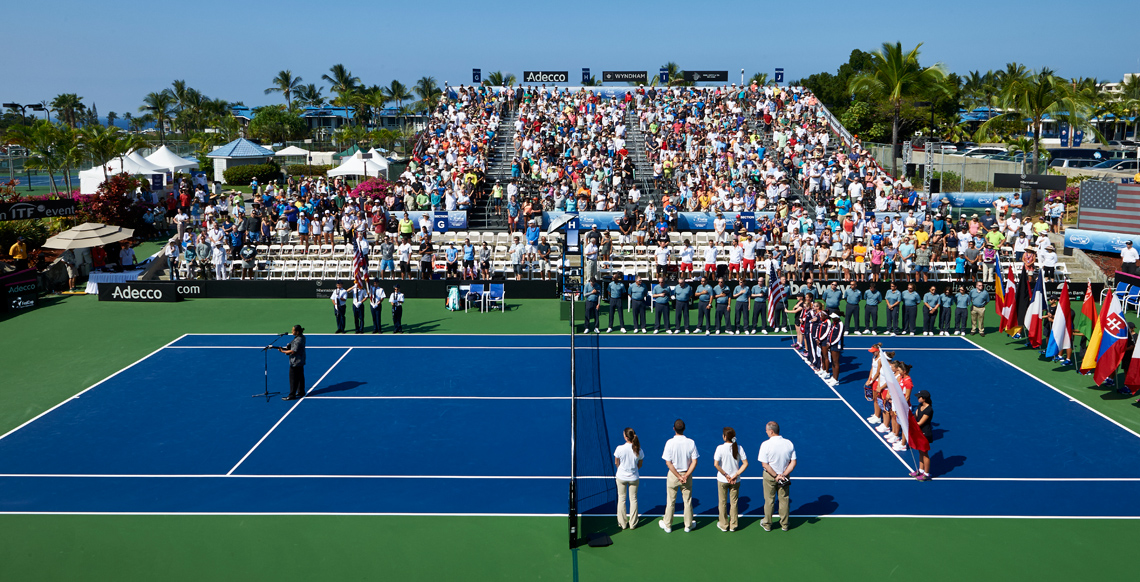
[874, 419]
[826, 375]
[898, 446]
[706, 333]
[643, 330]
[669, 331]
[623, 330]
[858, 333]
[882, 428]
[891, 438]
[873, 332]
[718, 332]
[764, 331]
[687, 530]
[664, 527]
[912, 333]
[655, 331]
[721, 527]
[687, 332]
[609, 330]
[597, 330]
[833, 382]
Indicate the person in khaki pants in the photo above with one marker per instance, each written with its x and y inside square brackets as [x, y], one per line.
[979, 297]
[681, 457]
[730, 462]
[627, 459]
[779, 459]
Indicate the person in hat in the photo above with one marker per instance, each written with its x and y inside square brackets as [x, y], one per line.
[19, 253]
[925, 418]
[396, 299]
[296, 352]
[1128, 258]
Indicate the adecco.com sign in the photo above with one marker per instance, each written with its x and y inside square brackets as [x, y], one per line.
[545, 76]
[138, 291]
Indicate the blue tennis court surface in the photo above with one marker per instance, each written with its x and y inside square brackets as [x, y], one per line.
[480, 425]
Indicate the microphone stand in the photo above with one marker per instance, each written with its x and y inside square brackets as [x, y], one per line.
[267, 394]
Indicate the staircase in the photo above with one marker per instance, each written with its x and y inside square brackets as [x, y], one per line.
[499, 158]
[1079, 266]
[642, 166]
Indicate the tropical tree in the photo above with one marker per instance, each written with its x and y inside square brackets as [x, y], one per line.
[68, 107]
[342, 82]
[675, 75]
[396, 91]
[179, 89]
[273, 124]
[103, 144]
[310, 95]
[160, 104]
[429, 92]
[43, 141]
[499, 79]
[895, 76]
[111, 117]
[760, 79]
[286, 84]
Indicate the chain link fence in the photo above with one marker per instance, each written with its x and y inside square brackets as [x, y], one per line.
[958, 173]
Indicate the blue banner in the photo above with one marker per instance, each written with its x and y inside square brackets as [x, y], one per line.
[1094, 240]
[455, 220]
[685, 220]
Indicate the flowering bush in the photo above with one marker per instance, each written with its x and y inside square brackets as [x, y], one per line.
[372, 188]
[112, 203]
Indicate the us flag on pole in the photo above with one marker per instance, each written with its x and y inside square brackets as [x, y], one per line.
[776, 294]
[360, 268]
[1109, 206]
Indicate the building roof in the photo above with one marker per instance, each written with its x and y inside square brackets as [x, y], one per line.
[240, 148]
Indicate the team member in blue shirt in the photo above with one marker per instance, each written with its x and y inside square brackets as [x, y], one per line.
[931, 303]
[637, 293]
[893, 298]
[872, 298]
[720, 297]
[979, 297]
[704, 299]
[961, 310]
[852, 296]
[452, 255]
[468, 259]
[910, 301]
[759, 295]
[616, 294]
[945, 311]
[831, 296]
[661, 295]
[740, 295]
[683, 294]
[590, 294]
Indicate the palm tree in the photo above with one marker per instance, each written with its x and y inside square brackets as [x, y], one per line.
[103, 144]
[591, 82]
[42, 139]
[1130, 102]
[286, 84]
[760, 79]
[396, 91]
[111, 117]
[310, 95]
[675, 75]
[429, 92]
[894, 76]
[161, 106]
[499, 79]
[341, 82]
[68, 106]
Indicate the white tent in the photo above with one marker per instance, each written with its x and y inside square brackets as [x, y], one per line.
[355, 166]
[144, 166]
[380, 160]
[293, 151]
[168, 160]
[89, 180]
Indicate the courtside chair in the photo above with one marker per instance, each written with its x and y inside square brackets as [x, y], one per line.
[477, 295]
[497, 294]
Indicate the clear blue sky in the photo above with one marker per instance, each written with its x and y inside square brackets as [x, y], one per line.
[113, 53]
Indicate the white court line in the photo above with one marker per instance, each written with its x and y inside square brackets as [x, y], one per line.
[701, 517]
[37, 417]
[564, 477]
[1059, 391]
[567, 348]
[287, 413]
[561, 398]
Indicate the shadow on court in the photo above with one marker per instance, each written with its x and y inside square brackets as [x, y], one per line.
[341, 387]
[422, 327]
[941, 465]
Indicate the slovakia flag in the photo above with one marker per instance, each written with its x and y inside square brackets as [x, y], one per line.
[1113, 343]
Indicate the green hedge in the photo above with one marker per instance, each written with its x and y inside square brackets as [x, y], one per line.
[243, 175]
[307, 170]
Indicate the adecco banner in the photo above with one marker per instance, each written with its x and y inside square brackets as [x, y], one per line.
[1094, 240]
[138, 291]
[20, 294]
[545, 76]
[36, 209]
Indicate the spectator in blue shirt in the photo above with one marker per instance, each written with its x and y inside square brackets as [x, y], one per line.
[616, 294]
[979, 298]
[961, 310]
[637, 293]
[931, 303]
[590, 294]
[683, 294]
[720, 296]
[831, 296]
[704, 300]
[872, 298]
[661, 295]
[893, 298]
[945, 311]
[910, 301]
[852, 296]
[740, 295]
[759, 295]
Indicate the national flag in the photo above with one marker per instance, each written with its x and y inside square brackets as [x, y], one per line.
[1085, 319]
[1019, 305]
[1113, 343]
[916, 440]
[1033, 320]
[1109, 206]
[1091, 351]
[777, 293]
[360, 268]
[1132, 379]
[899, 402]
[1009, 302]
[999, 290]
[1061, 337]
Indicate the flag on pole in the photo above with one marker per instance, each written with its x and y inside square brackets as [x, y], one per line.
[1084, 320]
[1061, 337]
[1091, 351]
[899, 402]
[1033, 320]
[360, 268]
[1009, 301]
[1132, 379]
[916, 440]
[1113, 342]
[999, 290]
[776, 294]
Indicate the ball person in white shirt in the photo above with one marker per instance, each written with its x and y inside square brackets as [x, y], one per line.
[338, 298]
[681, 458]
[375, 299]
[730, 462]
[779, 459]
[628, 458]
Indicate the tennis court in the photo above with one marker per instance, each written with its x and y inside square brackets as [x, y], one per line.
[480, 425]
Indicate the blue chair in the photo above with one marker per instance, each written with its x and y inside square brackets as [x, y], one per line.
[475, 294]
[497, 294]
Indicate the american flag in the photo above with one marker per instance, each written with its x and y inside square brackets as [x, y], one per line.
[1109, 206]
[776, 294]
[360, 268]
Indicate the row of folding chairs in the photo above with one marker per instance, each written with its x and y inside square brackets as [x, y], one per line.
[485, 297]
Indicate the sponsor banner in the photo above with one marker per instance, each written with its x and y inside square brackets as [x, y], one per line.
[625, 77]
[1024, 181]
[685, 220]
[22, 292]
[540, 77]
[1094, 240]
[36, 209]
[456, 219]
[143, 291]
[706, 76]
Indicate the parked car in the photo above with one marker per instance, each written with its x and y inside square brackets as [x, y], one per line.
[1117, 165]
[1072, 163]
[982, 151]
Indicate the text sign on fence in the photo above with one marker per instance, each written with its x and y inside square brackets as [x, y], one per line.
[1039, 181]
[36, 209]
[545, 76]
[706, 76]
[625, 77]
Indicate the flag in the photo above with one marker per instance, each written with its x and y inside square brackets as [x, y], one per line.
[1061, 337]
[999, 290]
[1113, 343]
[776, 294]
[1109, 206]
[1091, 350]
[916, 439]
[1032, 320]
[1019, 305]
[898, 398]
[1132, 379]
[360, 268]
[1009, 300]
[1084, 320]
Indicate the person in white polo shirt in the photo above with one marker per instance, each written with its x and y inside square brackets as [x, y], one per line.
[681, 458]
[628, 459]
[779, 459]
[1128, 258]
[730, 462]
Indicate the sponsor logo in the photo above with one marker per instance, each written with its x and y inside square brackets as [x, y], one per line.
[985, 199]
[21, 288]
[699, 221]
[188, 290]
[545, 76]
[1079, 239]
[26, 210]
[131, 293]
[1118, 242]
[22, 303]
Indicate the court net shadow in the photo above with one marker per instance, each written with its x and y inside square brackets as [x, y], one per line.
[594, 449]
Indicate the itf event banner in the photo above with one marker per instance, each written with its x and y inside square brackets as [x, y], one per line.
[1094, 240]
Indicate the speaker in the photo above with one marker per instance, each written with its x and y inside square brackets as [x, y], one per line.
[935, 185]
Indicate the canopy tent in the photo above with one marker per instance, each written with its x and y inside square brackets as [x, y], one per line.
[352, 151]
[145, 166]
[88, 234]
[359, 167]
[293, 151]
[163, 157]
[380, 160]
[89, 180]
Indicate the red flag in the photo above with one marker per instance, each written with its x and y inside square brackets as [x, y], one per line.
[915, 439]
[1132, 380]
[1009, 303]
[1113, 343]
[1033, 314]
